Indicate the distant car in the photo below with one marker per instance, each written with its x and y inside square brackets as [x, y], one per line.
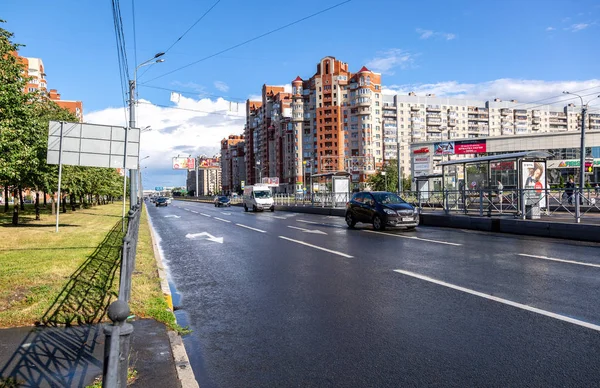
[221, 200]
[162, 201]
[382, 209]
[169, 200]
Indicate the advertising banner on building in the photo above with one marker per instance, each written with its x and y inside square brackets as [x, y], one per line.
[209, 163]
[534, 181]
[462, 147]
[184, 163]
[271, 181]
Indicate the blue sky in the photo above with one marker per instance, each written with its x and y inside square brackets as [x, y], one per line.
[434, 45]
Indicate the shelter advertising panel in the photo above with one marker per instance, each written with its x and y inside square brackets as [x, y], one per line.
[534, 181]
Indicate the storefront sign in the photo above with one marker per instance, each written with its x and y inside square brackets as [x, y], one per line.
[570, 163]
[423, 150]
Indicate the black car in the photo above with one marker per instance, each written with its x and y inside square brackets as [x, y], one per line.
[221, 200]
[162, 201]
[382, 209]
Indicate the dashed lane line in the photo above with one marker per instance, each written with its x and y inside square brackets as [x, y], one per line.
[205, 215]
[501, 300]
[316, 247]
[220, 219]
[414, 238]
[193, 211]
[251, 228]
[560, 260]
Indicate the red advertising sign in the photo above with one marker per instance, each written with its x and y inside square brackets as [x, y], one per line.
[423, 150]
[470, 147]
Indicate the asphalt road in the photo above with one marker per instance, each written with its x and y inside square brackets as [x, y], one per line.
[297, 300]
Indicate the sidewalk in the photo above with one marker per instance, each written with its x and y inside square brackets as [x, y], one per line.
[73, 357]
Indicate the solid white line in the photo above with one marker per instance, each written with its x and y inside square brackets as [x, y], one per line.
[205, 215]
[414, 238]
[560, 260]
[193, 211]
[317, 247]
[279, 218]
[251, 228]
[220, 219]
[503, 301]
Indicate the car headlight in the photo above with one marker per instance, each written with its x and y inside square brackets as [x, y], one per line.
[390, 212]
[416, 210]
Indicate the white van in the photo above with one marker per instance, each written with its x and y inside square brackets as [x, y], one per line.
[258, 197]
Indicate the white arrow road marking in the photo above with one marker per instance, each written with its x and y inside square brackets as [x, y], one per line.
[209, 237]
[307, 230]
[225, 213]
[501, 300]
[316, 247]
[560, 260]
[172, 216]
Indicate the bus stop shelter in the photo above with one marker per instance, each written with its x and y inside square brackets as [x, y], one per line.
[517, 178]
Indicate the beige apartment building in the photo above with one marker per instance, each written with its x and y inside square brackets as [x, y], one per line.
[410, 119]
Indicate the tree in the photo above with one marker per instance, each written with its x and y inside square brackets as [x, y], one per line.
[378, 181]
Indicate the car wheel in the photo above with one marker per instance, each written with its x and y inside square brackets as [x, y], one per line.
[254, 209]
[378, 223]
[350, 220]
[245, 208]
[272, 209]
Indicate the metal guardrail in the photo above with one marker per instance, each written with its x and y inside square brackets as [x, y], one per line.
[118, 334]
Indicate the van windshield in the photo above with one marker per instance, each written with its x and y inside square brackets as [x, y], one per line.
[262, 194]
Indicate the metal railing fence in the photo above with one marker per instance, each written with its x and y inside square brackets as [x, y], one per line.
[118, 334]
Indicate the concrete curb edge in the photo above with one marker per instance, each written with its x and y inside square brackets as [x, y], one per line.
[185, 373]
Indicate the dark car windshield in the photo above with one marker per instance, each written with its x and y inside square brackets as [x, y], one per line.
[262, 194]
[162, 199]
[387, 198]
[223, 199]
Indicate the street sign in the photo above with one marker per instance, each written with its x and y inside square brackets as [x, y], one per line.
[158, 188]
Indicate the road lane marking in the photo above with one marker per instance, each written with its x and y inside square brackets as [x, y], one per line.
[320, 223]
[227, 214]
[185, 208]
[414, 238]
[317, 247]
[501, 300]
[560, 260]
[316, 231]
[279, 218]
[220, 219]
[205, 215]
[251, 228]
[193, 211]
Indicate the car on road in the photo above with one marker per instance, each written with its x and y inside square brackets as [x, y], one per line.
[221, 200]
[382, 209]
[161, 201]
[169, 200]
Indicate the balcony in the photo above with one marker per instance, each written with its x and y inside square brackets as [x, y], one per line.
[362, 101]
[434, 108]
[434, 121]
[536, 120]
[433, 129]
[452, 123]
[506, 112]
[415, 108]
[389, 113]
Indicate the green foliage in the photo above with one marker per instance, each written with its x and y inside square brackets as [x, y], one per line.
[378, 181]
[24, 122]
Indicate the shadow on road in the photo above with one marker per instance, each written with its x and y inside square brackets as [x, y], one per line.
[56, 353]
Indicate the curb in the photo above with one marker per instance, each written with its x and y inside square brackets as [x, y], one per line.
[180, 357]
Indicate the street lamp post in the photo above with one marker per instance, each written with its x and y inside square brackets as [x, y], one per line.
[581, 156]
[258, 167]
[133, 174]
[384, 179]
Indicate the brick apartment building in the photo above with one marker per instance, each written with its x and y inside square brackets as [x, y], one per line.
[233, 166]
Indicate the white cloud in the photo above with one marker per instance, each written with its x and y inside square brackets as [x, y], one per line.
[426, 34]
[505, 89]
[222, 86]
[550, 28]
[386, 61]
[578, 27]
[189, 127]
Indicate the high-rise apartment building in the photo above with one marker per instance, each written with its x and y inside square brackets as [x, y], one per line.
[35, 72]
[233, 166]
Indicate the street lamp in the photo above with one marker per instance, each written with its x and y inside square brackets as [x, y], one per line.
[133, 174]
[384, 179]
[258, 166]
[582, 154]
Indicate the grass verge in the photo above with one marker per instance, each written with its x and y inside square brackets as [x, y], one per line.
[36, 262]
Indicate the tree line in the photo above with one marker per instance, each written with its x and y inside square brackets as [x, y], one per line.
[24, 122]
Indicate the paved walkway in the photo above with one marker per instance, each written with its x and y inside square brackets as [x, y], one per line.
[73, 357]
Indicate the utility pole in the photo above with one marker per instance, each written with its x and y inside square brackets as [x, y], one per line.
[196, 163]
[400, 189]
[132, 172]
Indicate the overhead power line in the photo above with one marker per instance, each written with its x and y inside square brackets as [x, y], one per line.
[184, 34]
[557, 96]
[121, 52]
[251, 40]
